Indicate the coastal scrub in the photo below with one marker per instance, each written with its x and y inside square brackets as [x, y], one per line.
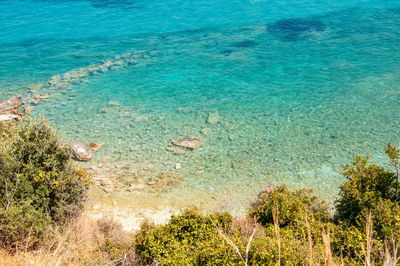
[39, 186]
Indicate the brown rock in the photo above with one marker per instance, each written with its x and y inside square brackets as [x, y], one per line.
[11, 115]
[9, 118]
[81, 152]
[10, 104]
[95, 146]
[188, 142]
[137, 187]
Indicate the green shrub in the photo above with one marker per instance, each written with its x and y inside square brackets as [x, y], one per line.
[39, 187]
[192, 239]
[188, 239]
[293, 207]
[301, 219]
[370, 189]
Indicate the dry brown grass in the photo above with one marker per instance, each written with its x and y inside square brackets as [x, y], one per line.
[245, 226]
[79, 244]
[367, 246]
[309, 243]
[391, 253]
[275, 216]
[326, 238]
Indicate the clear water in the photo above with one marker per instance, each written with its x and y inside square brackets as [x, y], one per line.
[299, 87]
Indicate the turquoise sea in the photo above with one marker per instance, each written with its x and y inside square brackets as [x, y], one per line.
[284, 91]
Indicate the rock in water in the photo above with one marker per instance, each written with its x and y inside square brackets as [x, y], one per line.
[136, 187]
[176, 150]
[9, 111]
[188, 142]
[107, 185]
[245, 44]
[11, 104]
[292, 29]
[81, 152]
[95, 146]
[213, 118]
[113, 103]
[15, 101]
[205, 131]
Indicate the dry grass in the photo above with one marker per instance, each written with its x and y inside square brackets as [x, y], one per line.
[367, 246]
[391, 253]
[245, 226]
[310, 244]
[275, 215]
[326, 238]
[79, 244]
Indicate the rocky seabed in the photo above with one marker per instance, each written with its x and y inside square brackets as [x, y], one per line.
[60, 82]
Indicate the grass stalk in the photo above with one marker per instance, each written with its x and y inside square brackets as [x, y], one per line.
[275, 216]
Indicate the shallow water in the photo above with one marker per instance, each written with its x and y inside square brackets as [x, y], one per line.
[295, 90]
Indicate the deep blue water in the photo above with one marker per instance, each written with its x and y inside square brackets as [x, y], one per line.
[299, 87]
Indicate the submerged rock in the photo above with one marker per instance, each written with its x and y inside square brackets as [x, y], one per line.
[246, 44]
[113, 103]
[107, 185]
[151, 183]
[175, 150]
[226, 52]
[59, 82]
[213, 118]
[133, 187]
[205, 131]
[292, 29]
[178, 166]
[95, 146]
[81, 152]
[36, 99]
[188, 142]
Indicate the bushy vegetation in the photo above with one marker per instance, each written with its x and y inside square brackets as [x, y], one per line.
[39, 187]
[188, 239]
[292, 227]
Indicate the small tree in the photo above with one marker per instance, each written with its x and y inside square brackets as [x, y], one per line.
[39, 186]
[371, 189]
